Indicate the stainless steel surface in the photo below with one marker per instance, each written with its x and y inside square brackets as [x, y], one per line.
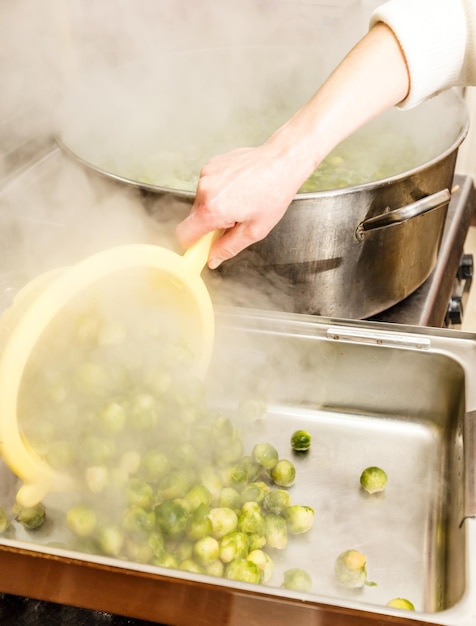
[369, 393]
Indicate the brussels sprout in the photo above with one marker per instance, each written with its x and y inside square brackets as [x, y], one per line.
[400, 603]
[30, 517]
[297, 579]
[234, 546]
[197, 495]
[82, 520]
[255, 492]
[264, 563]
[351, 569]
[210, 479]
[275, 531]
[276, 501]
[243, 570]
[183, 550]
[229, 452]
[4, 523]
[252, 468]
[171, 518]
[256, 541]
[284, 473]
[166, 559]
[143, 412]
[112, 418]
[97, 478]
[300, 441]
[110, 539]
[229, 498]
[173, 485]
[206, 550]
[224, 521]
[199, 524]
[234, 476]
[139, 493]
[250, 518]
[138, 522]
[299, 518]
[265, 455]
[373, 479]
[154, 465]
[189, 565]
[137, 551]
[215, 568]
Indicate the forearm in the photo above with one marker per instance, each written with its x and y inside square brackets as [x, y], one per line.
[372, 78]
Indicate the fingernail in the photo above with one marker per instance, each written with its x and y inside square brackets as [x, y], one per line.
[214, 263]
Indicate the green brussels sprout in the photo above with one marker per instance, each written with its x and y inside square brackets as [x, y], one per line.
[210, 479]
[243, 570]
[198, 495]
[224, 521]
[276, 501]
[299, 518]
[255, 492]
[215, 568]
[234, 546]
[275, 531]
[234, 476]
[250, 518]
[189, 565]
[82, 520]
[30, 517]
[300, 441]
[297, 579]
[252, 468]
[264, 563]
[139, 523]
[173, 485]
[111, 419]
[284, 473]
[97, 478]
[139, 493]
[110, 538]
[137, 551]
[154, 465]
[171, 518]
[229, 498]
[166, 559]
[373, 480]
[400, 603]
[183, 550]
[351, 569]
[143, 412]
[4, 522]
[206, 550]
[265, 455]
[199, 524]
[256, 541]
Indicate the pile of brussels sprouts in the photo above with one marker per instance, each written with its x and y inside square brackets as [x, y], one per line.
[162, 478]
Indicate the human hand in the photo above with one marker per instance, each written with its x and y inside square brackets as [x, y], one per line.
[244, 193]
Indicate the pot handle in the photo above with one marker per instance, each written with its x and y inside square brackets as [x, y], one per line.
[403, 214]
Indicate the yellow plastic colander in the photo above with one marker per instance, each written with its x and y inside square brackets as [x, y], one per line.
[22, 325]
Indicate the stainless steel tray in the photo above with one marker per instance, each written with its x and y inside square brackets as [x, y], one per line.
[370, 393]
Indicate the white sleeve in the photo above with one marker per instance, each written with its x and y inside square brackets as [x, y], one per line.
[438, 39]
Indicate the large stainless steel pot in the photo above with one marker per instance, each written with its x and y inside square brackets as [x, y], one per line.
[328, 257]
[338, 260]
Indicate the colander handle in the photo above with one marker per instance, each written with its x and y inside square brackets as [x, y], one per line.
[197, 255]
[403, 214]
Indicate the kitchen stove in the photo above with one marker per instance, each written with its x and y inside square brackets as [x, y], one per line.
[438, 302]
